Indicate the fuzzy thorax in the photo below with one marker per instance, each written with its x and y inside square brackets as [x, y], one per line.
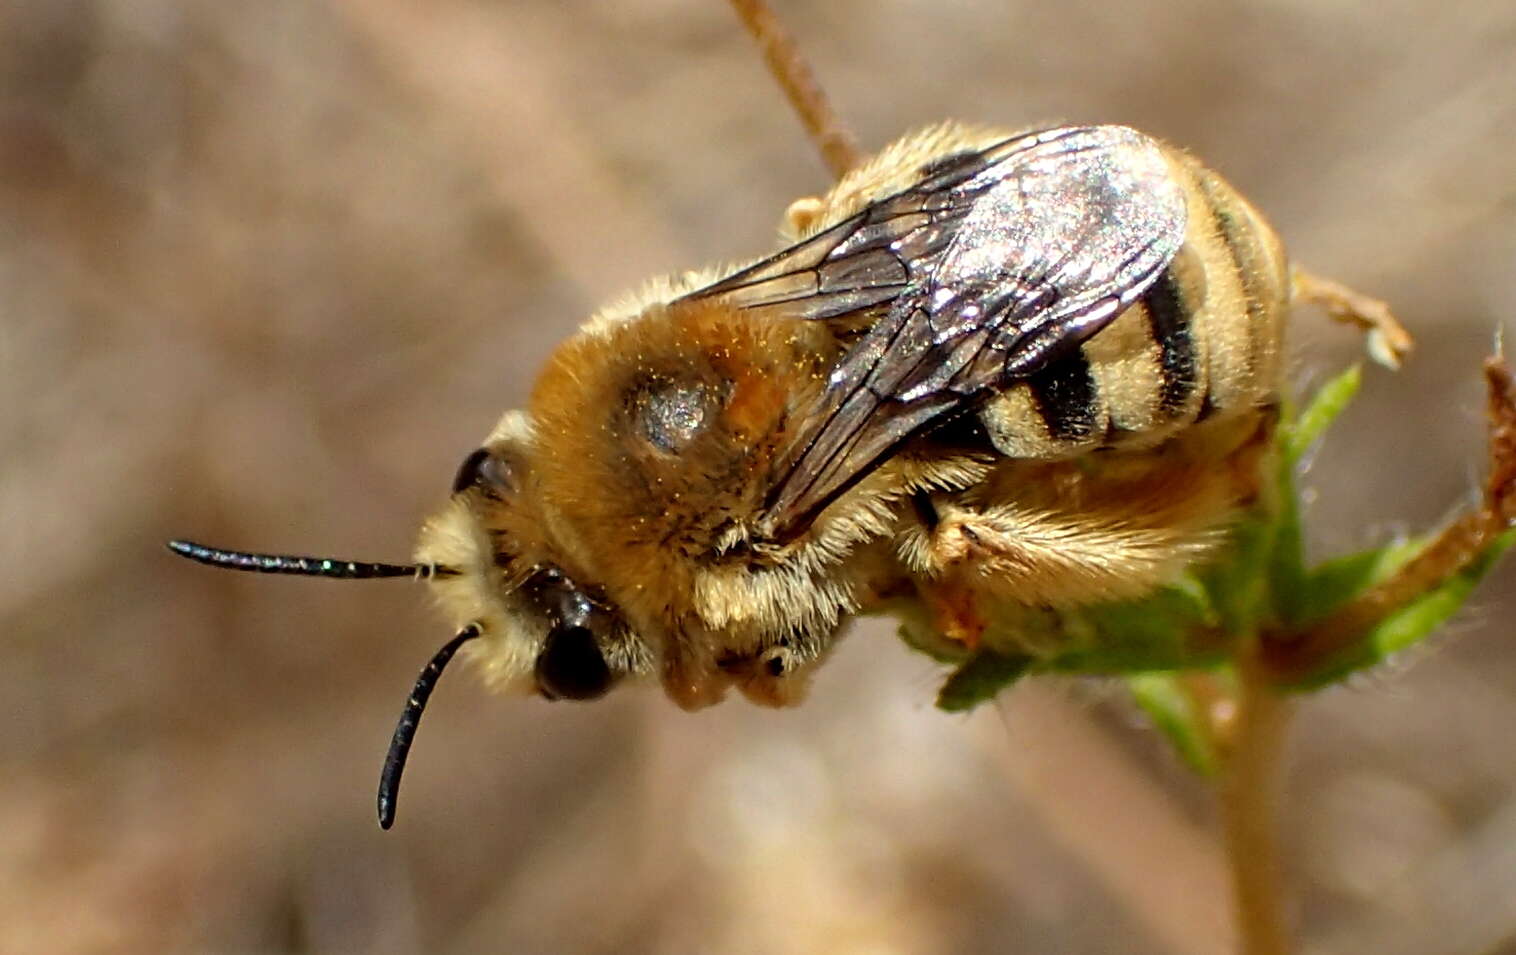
[659, 438]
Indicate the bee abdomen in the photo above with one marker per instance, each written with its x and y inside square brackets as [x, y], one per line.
[1245, 361]
[1202, 340]
[1066, 398]
[1137, 381]
[1168, 307]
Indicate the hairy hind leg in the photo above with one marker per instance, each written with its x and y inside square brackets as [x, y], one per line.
[1065, 534]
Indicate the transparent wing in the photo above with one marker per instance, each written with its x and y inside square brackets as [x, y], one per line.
[993, 266]
[868, 259]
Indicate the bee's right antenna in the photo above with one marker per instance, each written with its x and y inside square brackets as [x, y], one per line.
[410, 718]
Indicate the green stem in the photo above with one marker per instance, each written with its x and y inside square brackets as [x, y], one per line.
[1249, 798]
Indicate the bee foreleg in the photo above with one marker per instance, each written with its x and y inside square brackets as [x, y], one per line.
[778, 675]
[692, 678]
[1388, 340]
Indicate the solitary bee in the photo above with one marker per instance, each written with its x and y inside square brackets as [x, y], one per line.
[985, 369]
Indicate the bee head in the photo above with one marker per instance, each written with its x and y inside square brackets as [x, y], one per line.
[531, 626]
[542, 629]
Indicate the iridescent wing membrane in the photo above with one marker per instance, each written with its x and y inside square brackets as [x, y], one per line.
[991, 267]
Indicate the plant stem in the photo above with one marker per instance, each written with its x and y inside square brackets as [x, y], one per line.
[1249, 797]
[832, 139]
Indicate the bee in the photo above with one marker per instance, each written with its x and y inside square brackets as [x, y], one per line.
[987, 368]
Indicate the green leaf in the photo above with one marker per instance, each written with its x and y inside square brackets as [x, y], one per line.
[918, 633]
[1264, 579]
[1329, 401]
[1286, 568]
[1238, 586]
[1016, 629]
[1286, 564]
[1412, 623]
[1430, 611]
[1174, 714]
[984, 676]
[1331, 584]
[1169, 630]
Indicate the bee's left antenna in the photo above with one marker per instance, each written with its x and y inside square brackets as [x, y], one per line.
[410, 718]
[303, 566]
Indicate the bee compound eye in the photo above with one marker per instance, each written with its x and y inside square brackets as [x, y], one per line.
[571, 666]
[486, 470]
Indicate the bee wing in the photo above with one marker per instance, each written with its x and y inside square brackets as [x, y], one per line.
[994, 265]
[868, 259]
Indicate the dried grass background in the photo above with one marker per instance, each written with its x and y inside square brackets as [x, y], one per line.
[269, 270]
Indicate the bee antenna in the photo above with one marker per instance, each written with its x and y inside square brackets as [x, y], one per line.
[303, 566]
[410, 718]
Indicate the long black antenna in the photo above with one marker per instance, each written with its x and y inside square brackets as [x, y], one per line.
[410, 718]
[303, 566]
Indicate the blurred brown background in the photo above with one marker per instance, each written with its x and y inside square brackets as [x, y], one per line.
[269, 270]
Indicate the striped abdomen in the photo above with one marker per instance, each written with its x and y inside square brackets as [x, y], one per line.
[1203, 341]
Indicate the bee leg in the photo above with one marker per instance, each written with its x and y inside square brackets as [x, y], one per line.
[801, 216]
[1037, 557]
[1388, 341]
[779, 674]
[954, 607]
[774, 677]
[943, 552]
[692, 680]
[1295, 656]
